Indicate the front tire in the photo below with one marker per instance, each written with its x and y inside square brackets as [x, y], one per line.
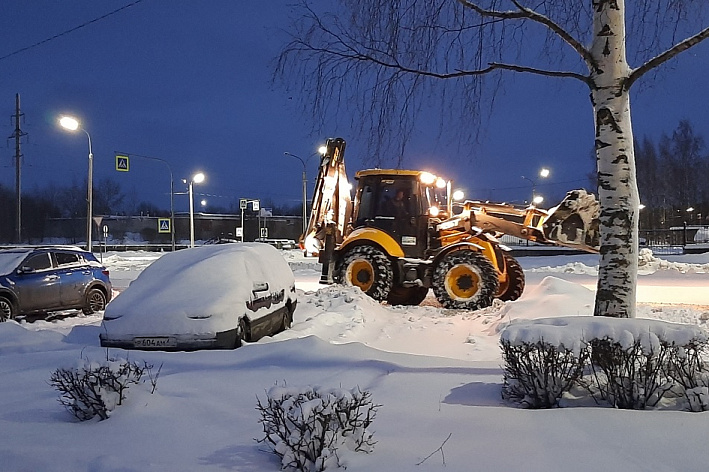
[513, 288]
[242, 333]
[465, 279]
[7, 309]
[288, 317]
[369, 269]
[95, 301]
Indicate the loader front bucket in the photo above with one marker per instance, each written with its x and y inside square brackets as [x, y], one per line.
[574, 222]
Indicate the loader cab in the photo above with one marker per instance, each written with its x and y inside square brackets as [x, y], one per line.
[397, 202]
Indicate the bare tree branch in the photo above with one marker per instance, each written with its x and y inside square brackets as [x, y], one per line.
[547, 73]
[529, 14]
[358, 56]
[666, 56]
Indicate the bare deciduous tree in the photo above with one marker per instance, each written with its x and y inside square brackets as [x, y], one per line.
[391, 59]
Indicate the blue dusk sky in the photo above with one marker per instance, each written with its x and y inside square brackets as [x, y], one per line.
[190, 82]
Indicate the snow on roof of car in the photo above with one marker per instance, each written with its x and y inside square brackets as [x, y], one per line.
[207, 280]
[9, 258]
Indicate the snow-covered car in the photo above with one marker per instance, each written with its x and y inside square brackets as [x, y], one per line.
[215, 296]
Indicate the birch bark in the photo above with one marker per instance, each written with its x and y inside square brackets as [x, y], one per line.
[617, 185]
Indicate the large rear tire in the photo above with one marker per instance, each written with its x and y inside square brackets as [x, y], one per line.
[513, 288]
[410, 296]
[465, 279]
[369, 269]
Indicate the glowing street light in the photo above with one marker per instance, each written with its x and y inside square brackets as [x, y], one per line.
[198, 178]
[537, 199]
[322, 150]
[72, 124]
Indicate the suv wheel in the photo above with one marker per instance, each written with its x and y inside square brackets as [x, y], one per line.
[95, 301]
[7, 310]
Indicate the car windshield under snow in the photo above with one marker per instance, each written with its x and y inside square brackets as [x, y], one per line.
[9, 260]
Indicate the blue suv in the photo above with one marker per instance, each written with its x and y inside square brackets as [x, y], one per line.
[44, 279]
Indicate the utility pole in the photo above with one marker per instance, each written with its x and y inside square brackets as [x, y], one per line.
[18, 165]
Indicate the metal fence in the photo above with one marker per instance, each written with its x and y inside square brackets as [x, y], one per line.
[676, 240]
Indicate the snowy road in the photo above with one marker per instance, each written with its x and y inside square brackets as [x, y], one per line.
[667, 287]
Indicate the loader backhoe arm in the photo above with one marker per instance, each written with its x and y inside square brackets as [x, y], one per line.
[572, 223]
[331, 204]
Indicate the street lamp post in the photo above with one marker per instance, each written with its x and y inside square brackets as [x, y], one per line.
[72, 124]
[305, 191]
[196, 179]
[537, 199]
[322, 150]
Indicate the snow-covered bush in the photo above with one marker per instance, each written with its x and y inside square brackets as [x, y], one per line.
[536, 374]
[689, 369]
[633, 363]
[306, 426]
[631, 373]
[95, 389]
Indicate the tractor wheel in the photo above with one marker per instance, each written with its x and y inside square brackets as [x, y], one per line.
[368, 268]
[513, 288]
[465, 279]
[407, 295]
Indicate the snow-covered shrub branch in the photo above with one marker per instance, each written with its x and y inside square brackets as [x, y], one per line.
[630, 363]
[537, 374]
[631, 374]
[689, 369]
[306, 426]
[95, 389]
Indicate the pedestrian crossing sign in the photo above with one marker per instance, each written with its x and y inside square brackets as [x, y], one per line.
[163, 225]
[122, 164]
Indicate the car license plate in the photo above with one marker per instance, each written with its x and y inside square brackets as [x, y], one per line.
[155, 342]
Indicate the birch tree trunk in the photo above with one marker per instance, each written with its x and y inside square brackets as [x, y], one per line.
[617, 185]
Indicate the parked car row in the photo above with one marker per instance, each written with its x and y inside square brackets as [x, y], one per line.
[216, 296]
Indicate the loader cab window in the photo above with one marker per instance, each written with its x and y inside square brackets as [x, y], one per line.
[437, 197]
[397, 199]
[365, 198]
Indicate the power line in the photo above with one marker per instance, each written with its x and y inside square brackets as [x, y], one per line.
[70, 30]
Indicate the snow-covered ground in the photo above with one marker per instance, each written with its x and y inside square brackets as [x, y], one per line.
[436, 373]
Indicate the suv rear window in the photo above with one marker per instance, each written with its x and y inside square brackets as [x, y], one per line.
[66, 258]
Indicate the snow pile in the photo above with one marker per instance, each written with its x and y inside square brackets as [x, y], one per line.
[337, 313]
[649, 264]
[569, 331]
[570, 268]
[553, 296]
[130, 261]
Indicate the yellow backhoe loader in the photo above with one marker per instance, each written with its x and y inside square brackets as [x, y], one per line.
[403, 234]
